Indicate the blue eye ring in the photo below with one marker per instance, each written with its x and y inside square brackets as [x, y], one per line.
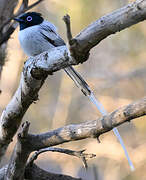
[29, 18]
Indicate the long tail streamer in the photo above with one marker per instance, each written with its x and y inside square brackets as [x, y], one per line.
[84, 87]
[115, 130]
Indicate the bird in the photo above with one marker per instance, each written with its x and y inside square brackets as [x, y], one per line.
[37, 35]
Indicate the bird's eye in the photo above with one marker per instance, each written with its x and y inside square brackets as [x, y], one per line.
[29, 18]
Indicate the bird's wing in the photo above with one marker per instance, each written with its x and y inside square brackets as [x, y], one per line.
[50, 34]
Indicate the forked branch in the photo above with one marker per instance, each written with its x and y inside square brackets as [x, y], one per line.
[37, 69]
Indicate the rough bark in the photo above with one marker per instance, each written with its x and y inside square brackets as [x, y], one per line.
[106, 25]
[89, 129]
[35, 173]
[33, 76]
[37, 69]
[28, 143]
[16, 166]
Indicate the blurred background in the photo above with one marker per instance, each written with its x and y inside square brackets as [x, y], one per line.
[116, 71]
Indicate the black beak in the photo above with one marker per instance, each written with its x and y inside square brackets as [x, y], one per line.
[18, 20]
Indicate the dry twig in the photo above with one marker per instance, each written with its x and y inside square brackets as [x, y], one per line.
[66, 19]
[80, 154]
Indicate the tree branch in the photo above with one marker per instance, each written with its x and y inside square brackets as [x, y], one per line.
[22, 150]
[89, 129]
[36, 70]
[109, 24]
[35, 173]
[33, 76]
[66, 19]
[19, 156]
[80, 154]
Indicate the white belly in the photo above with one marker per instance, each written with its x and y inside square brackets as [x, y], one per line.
[32, 41]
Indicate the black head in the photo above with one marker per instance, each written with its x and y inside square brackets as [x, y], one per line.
[29, 19]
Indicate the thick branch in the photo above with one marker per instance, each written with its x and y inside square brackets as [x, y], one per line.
[22, 150]
[19, 156]
[35, 173]
[33, 76]
[89, 129]
[36, 70]
[109, 24]
[68, 133]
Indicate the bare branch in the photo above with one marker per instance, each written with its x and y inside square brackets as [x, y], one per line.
[89, 129]
[80, 154]
[19, 156]
[66, 19]
[33, 76]
[36, 70]
[109, 24]
[35, 173]
[22, 150]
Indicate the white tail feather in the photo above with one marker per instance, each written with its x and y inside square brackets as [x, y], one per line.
[80, 83]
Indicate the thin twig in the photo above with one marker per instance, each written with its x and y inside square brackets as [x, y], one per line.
[66, 19]
[80, 154]
[71, 41]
